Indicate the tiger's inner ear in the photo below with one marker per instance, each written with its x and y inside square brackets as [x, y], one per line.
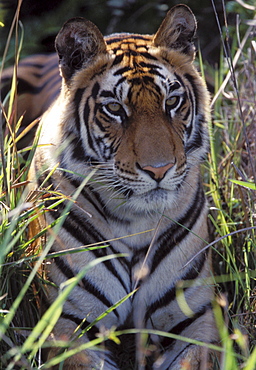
[177, 30]
[77, 43]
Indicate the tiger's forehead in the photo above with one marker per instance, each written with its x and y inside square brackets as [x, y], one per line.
[134, 71]
[131, 49]
[125, 42]
[136, 74]
[133, 55]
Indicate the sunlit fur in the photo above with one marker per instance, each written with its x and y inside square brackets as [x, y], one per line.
[133, 109]
[38, 85]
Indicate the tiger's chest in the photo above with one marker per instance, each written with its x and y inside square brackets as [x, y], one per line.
[133, 265]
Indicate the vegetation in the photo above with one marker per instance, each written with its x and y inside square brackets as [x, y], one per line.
[230, 182]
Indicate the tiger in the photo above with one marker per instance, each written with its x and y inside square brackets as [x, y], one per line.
[130, 119]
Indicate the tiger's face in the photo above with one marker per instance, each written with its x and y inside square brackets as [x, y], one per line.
[135, 107]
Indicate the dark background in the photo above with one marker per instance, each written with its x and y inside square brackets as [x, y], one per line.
[42, 19]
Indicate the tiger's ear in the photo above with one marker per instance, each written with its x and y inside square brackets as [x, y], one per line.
[78, 42]
[177, 30]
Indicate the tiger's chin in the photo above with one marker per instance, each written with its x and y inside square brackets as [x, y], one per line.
[152, 202]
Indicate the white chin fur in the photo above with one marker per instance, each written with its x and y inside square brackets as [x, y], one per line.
[152, 202]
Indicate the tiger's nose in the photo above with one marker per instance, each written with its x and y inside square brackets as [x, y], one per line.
[157, 173]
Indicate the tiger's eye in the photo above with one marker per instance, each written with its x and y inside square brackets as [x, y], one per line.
[114, 107]
[172, 102]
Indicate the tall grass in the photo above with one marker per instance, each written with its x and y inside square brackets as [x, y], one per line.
[232, 168]
[230, 187]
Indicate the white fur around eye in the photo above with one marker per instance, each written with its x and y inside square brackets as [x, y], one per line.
[114, 110]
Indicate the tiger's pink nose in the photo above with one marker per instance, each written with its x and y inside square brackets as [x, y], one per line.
[158, 173]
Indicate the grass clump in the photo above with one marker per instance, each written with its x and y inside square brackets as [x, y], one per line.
[232, 164]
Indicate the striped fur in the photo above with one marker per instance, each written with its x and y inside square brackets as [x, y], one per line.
[38, 85]
[134, 108]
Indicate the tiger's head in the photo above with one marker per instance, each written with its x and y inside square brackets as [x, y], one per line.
[135, 106]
